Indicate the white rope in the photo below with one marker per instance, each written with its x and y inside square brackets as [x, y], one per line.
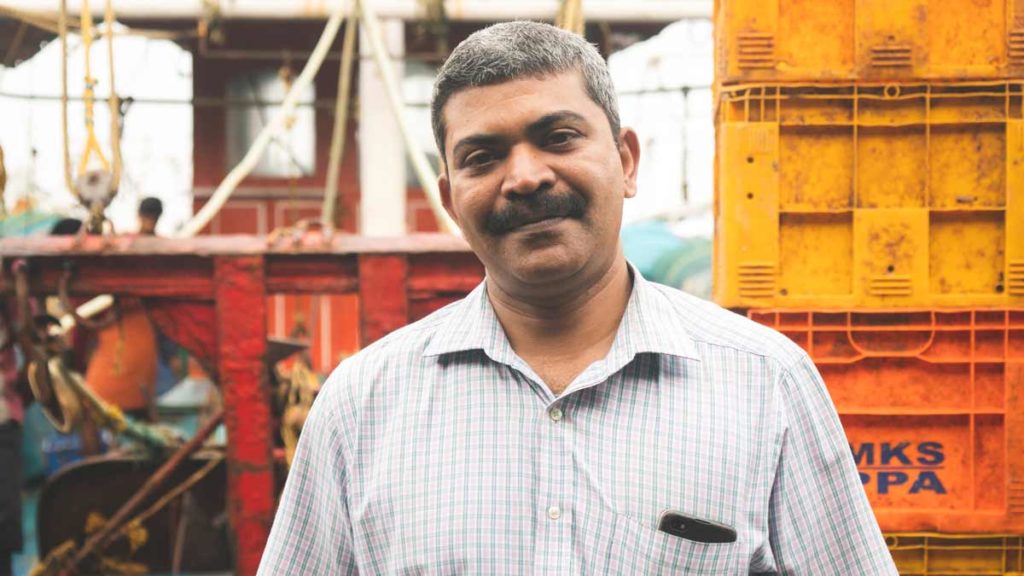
[227, 187]
[270, 131]
[340, 123]
[424, 172]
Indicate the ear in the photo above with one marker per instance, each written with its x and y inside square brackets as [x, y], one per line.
[445, 187]
[629, 154]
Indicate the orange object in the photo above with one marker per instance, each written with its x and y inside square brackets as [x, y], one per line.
[122, 369]
[799, 40]
[926, 554]
[933, 406]
[878, 196]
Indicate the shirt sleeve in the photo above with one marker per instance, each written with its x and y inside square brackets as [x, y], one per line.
[820, 521]
[312, 533]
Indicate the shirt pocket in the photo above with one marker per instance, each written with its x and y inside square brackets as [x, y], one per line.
[616, 544]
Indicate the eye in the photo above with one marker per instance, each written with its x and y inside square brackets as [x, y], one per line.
[478, 158]
[561, 137]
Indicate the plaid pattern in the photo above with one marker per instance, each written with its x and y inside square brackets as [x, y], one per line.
[437, 450]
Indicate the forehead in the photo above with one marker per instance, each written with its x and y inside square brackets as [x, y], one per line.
[504, 106]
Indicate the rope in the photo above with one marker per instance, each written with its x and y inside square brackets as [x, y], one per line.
[170, 495]
[424, 171]
[62, 31]
[114, 101]
[29, 18]
[92, 144]
[340, 121]
[252, 157]
[570, 17]
[53, 26]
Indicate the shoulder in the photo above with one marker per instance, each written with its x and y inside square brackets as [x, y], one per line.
[395, 353]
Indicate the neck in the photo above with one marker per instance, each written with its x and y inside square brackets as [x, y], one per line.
[577, 322]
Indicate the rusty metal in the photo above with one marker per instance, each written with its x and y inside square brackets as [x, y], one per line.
[241, 321]
[209, 294]
[98, 540]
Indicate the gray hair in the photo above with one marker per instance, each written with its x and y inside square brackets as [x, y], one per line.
[513, 50]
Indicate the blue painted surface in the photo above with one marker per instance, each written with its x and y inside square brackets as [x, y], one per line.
[23, 562]
[663, 257]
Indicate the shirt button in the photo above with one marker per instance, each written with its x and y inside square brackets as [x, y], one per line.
[555, 414]
[554, 512]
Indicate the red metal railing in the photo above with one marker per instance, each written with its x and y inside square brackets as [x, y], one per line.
[209, 294]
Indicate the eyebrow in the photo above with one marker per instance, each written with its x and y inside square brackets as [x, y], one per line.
[540, 125]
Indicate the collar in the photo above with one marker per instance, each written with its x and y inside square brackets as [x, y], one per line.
[651, 324]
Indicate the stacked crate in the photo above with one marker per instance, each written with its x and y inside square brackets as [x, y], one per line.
[870, 205]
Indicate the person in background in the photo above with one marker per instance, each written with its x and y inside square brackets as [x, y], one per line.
[123, 368]
[170, 358]
[12, 413]
[150, 210]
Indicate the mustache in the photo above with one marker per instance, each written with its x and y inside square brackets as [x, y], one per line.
[535, 208]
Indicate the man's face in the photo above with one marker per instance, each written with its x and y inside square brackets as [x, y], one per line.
[535, 179]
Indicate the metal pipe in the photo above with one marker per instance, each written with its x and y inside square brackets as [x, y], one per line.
[471, 10]
[99, 540]
[323, 103]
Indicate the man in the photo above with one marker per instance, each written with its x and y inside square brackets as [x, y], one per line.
[150, 210]
[567, 417]
[12, 413]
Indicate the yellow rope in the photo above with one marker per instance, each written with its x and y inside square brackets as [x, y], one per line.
[115, 102]
[92, 144]
[62, 31]
[570, 16]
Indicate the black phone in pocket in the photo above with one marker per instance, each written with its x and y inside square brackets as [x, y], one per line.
[695, 529]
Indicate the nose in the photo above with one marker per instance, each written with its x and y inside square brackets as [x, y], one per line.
[526, 172]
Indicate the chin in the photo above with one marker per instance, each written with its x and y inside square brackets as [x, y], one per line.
[540, 269]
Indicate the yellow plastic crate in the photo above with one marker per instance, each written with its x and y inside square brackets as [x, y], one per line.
[887, 195]
[800, 40]
[921, 554]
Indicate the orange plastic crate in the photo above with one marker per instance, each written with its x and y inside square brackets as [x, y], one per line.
[801, 40]
[924, 554]
[933, 406]
[895, 195]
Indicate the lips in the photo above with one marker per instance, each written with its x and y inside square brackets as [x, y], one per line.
[536, 219]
